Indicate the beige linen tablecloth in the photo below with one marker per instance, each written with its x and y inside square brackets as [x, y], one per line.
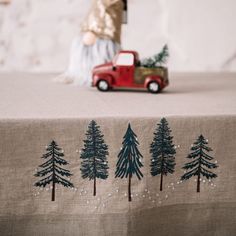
[34, 111]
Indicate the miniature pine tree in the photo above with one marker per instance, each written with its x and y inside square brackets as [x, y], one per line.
[158, 59]
[129, 159]
[201, 161]
[162, 152]
[94, 155]
[52, 169]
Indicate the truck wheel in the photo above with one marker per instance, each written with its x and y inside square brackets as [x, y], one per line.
[154, 87]
[103, 85]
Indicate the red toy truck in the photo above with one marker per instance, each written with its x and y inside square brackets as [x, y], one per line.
[125, 72]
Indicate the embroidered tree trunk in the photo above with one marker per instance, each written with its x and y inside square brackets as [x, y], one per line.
[161, 182]
[94, 187]
[198, 182]
[129, 189]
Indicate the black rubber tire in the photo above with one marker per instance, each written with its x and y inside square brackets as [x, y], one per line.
[103, 85]
[154, 87]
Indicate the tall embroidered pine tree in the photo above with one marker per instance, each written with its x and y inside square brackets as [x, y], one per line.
[51, 168]
[129, 159]
[201, 162]
[162, 152]
[94, 155]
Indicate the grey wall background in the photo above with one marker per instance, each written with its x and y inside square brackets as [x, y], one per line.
[35, 35]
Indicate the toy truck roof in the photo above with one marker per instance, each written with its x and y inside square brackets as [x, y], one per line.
[136, 55]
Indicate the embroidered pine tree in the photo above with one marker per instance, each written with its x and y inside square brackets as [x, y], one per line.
[129, 159]
[201, 162]
[94, 163]
[52, 170]
[157, 60]
[162, 152]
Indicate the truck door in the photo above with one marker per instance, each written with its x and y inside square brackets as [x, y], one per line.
[125, 69]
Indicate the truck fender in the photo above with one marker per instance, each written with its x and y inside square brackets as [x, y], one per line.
[106, 77]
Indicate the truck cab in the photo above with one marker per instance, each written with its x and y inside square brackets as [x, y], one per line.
[125, 72]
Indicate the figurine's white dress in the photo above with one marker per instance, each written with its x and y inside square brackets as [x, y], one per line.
[104, 20]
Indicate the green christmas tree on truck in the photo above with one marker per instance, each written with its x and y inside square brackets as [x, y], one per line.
[157, 60]
[162, 152]
[201, 162]
[51, 168]
[129, 159]
[94, 156]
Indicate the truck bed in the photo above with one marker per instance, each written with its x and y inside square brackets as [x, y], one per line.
[142, 72]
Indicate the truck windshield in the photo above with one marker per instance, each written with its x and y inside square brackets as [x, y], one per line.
[125, 59]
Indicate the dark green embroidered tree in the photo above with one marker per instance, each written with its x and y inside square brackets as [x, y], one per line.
[94, 155]
[129, 159]
[157, 60]
[201, 161]
[162, 152]
[52, 169]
